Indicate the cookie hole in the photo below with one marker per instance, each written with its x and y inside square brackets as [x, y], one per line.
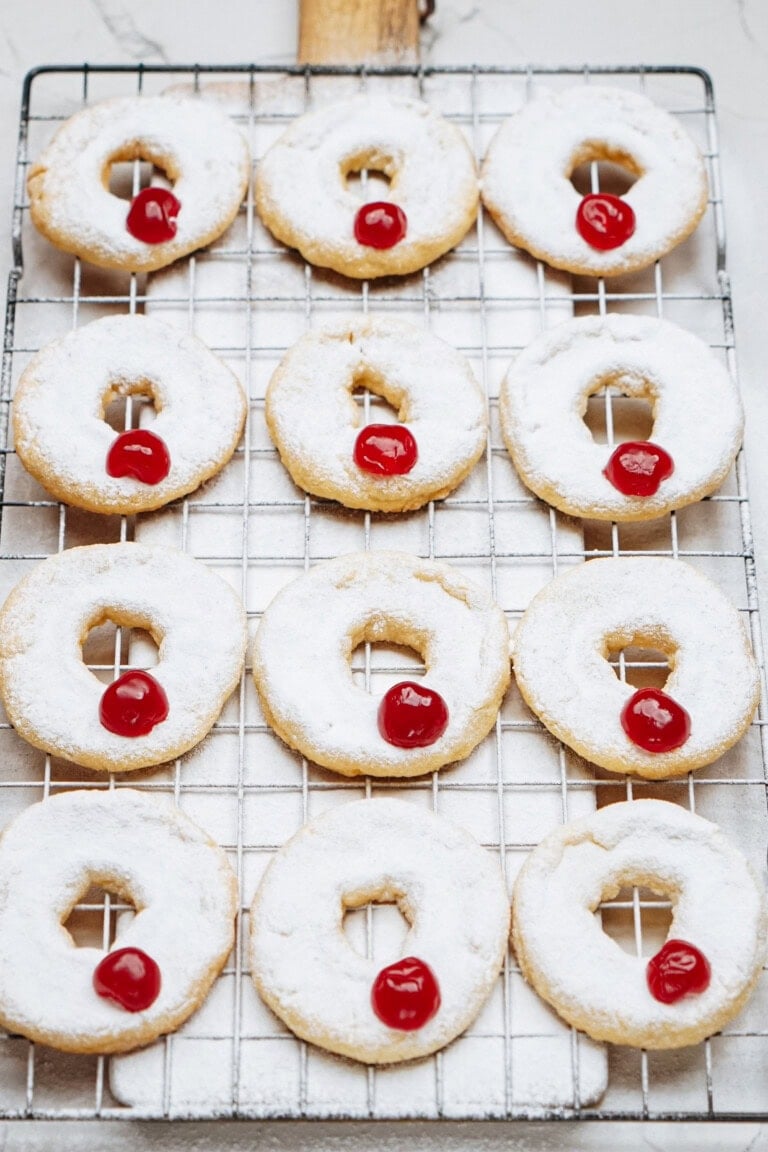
[376, 930]
[378, 665]
[613, 418]
[134, 647]
[135, 411]
[374, 407]
[128, 177]
[602, 176]
[368, 184]
[619, 920]
[95, 919]
[641, 667]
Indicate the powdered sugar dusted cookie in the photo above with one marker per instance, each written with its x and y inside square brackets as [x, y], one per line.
[63, 439]
[303, 198]
[201, 151]
[56, 703]
[715, 950]
[449, 889]
[561, 648]
[166, 956]
[697, 417]
[303, 648]
[318, 429]
[527, 188]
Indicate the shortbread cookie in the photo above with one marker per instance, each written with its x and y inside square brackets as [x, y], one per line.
[449, 889]
[56, 703]
[527, 188]
[718, 916]
[303, 198]
[61, 435]
[144, 851]
[697, 417]
[560, 654]
[318, 427]
[303, 648]
[201, 151]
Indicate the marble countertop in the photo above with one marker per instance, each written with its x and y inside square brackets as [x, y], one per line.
[729, 38]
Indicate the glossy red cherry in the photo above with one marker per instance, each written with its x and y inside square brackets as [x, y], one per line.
[654, 721]
[133, 704]
[385, 449]
[638, 467]
[412, 716]
[152, 215]
[605, 221]
[678, 969]
[380, 224]
[405, 995]
[129, 977]
[141, 454]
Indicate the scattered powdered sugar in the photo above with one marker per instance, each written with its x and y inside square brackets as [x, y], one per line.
[718, 906]
[150, 854]
[450, 890]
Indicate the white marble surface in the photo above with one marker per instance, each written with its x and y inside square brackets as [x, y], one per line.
[727, 37]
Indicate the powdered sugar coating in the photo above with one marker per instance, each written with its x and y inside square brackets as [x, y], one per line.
[314, 420]
[58, 413]
[302, 197]
[148, 853]
[718, 905]
[697, 413]
[526, 176]
[561, 645]
[304, 642]
[200, 149]
[52, 698]
[449, 889]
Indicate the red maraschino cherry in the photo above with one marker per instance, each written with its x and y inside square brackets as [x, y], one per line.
[654, 721]
[385, 449]
[152, 215]
[129, 977]
[638, 467]
[405, 995]
[380, 224]
[133, 704]
[605, 221]
[412, 715]
[141, 454]
[678, 969]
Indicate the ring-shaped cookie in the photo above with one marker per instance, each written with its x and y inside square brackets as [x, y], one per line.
[562, 643]
[63, 440]
[144, 851]
[448, 888]
[305, 640]
[303, 198]
[199, 148]
[52, 698]
[717, 905]
[697, 413]
[314, 420]
[526, 176]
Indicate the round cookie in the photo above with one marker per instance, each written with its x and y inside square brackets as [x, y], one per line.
[562, 642]
[449, 889]
[314, 420]
[526, 177]
[717, 905]
[697, 413]
[53, 700]
[62, 438]
[200, 149]
[304, 643]
[146, 852]
[303, 198]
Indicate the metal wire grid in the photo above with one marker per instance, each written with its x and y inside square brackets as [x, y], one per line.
[716, 536]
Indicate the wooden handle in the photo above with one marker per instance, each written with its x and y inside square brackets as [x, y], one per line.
[359, 32]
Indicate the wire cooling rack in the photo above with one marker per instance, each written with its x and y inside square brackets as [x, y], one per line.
[250, 298]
